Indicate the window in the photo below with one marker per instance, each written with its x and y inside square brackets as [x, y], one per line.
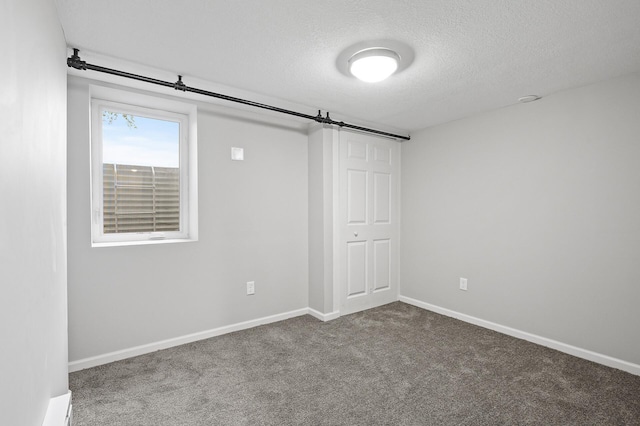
[143, 169]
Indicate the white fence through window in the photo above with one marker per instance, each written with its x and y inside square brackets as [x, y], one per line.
[140, 198]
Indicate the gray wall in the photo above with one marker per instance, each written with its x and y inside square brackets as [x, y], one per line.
[252, 226]
[33, 271]
[316, 219]
[538, 205]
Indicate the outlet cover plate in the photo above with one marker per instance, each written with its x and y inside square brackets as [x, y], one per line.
[463, 284]
[237, 154]
[251, 287]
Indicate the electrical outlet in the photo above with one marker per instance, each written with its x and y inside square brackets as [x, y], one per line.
[463, 284]
[251, 287]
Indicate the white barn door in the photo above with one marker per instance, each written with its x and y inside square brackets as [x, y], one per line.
[368, 221]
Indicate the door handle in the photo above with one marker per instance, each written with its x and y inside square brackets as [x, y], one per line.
[355, 234]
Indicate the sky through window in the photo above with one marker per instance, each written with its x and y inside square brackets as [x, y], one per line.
[151, 142]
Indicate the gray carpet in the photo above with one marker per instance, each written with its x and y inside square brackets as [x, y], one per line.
[393, 365]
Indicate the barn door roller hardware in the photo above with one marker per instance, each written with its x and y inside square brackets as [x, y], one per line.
[74, 61]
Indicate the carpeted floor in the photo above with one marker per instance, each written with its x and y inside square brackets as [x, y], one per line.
[393, 365]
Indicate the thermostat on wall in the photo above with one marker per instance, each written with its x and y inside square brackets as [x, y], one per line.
[237, 154]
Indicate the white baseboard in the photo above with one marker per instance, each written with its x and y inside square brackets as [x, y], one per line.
[59, 411]
[176, 341]
[324, 317]
[553, 344]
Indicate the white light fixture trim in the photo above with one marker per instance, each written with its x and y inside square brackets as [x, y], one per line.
[374, 64]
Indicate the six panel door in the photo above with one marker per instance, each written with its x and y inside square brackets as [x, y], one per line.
[368, 249]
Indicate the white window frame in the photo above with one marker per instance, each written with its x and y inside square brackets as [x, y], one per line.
[158, 108]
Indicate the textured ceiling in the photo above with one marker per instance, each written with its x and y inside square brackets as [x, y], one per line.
[469, 55]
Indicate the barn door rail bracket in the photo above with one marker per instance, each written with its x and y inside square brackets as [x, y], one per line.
[74, 61]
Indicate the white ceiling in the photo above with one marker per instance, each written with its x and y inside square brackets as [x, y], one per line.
[470, 55]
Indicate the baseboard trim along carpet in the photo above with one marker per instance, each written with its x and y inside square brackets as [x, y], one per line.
[324, 317]
[176, 341]
[553, 344]
[59, 411]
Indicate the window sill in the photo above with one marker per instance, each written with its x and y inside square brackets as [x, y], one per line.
[143, 242]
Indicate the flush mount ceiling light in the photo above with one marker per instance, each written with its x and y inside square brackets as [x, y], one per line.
[374, 64]
[391, 51]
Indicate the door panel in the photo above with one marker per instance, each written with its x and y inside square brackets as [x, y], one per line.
[357, 196]
[381, 264]
[357, 150]
[356, 268]
[382, 155]
[367, 221]
[382, 198]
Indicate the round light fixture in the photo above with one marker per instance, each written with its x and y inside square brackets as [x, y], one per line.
[374, 64]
